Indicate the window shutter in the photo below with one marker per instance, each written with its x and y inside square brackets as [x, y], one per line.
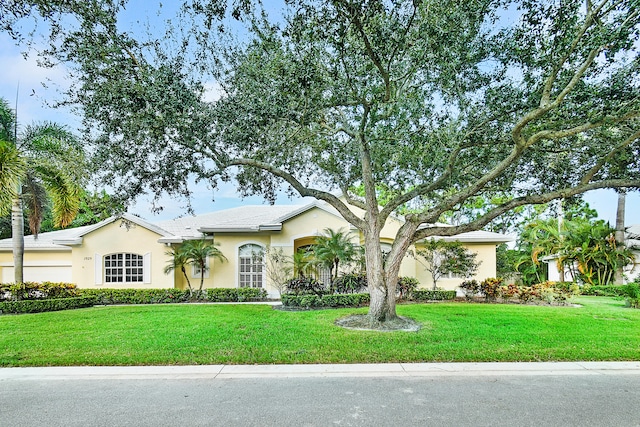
[146, 265]
[97, 269]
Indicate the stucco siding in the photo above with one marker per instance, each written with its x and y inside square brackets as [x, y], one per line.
[88, 258]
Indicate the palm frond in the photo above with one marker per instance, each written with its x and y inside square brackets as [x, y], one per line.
[12, 171]
[64, 193]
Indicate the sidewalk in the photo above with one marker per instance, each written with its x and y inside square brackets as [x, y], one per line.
[341, 370]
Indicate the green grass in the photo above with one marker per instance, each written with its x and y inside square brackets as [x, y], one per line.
[603, 329]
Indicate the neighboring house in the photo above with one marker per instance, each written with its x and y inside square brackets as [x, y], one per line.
[632, 241]
[129, 252]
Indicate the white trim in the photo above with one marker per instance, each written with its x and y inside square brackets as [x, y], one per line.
[98, 265]
[146, 268]
[195, 275]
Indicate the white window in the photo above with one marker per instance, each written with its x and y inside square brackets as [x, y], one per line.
[250, 262]
[196, 272]
[124, 268]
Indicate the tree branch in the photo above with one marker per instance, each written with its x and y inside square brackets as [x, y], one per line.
[301, 189]
[533, 199]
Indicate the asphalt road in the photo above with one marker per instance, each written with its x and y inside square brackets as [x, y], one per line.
[531, 398]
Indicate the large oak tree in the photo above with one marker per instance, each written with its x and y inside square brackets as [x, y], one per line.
[434, 102]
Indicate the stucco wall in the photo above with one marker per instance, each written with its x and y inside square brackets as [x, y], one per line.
[487, 268]
[87, 258]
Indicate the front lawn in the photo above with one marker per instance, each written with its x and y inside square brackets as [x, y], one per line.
[603, 329]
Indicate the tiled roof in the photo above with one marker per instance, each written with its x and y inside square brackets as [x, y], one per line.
[47, 240]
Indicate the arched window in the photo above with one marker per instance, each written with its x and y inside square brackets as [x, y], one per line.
[250, 262]
[123, 268]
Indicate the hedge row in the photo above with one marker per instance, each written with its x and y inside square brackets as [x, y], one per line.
[432, 295]
[36, 290]
[42, 305]
[161, 296]
[332, 300]
[605, 291]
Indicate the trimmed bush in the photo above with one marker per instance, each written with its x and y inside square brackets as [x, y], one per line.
[324, 301]
[42, 305]
[433, 295]
[163, 296]
[633, 294]
[36, 290]
[605, 291]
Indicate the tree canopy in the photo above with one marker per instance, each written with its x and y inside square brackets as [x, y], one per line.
[437, 102]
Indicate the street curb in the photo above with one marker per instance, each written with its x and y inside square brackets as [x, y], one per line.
[406, 370]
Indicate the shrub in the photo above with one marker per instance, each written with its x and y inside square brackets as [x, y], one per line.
[433, 295]
[491, 288]
[350, 283]
[470, 288]
[107, 296]
[509, 291]
[324, 301]
[37, 290]
[406, 286]
[305, 285]
[42, 305]
[633, 294]
[605, 291]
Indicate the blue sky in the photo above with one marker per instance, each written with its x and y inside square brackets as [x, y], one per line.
[33, 95]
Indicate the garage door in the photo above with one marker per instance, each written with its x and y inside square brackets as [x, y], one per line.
[53, 273]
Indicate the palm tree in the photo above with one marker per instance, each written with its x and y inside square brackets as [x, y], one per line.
[178, 261]
[45, 164]
[198, 252]
[333, 248]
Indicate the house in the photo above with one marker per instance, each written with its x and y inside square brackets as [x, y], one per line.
[130, 252]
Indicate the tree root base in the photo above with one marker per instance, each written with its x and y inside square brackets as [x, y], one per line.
[362, 322]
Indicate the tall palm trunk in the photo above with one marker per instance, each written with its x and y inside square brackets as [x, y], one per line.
[17, 231]
[620, 213]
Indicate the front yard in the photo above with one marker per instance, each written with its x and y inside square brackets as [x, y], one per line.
[602, 329]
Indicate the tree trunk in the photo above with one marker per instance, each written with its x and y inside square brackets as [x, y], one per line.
[382, 306]
[17, 234]
[620, 213]
[382, 276]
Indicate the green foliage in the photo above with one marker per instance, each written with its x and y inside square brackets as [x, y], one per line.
[470, 288]
[406, 286]
[633, 294]
[333, 249]
[442, 257]
[437, 103]
[432, 295]
[585, 248]
[604, 291]
[350, 283]
[548, 292]
[324, 301]
[37, 290]
[106, 296]
[193, 253]
[305, 285]
[43, 305]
